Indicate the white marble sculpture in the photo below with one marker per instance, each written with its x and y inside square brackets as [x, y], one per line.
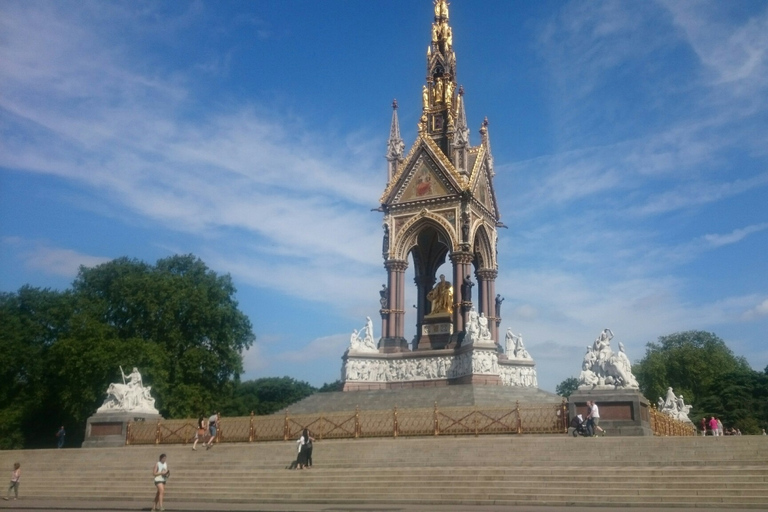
[604, 369]
[476, 330]
[674, 406]
[363, 341]
[130, 396]
[513, 346]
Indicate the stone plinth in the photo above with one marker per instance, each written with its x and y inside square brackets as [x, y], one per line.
[622, 412]
[108, 429]
[435, 333]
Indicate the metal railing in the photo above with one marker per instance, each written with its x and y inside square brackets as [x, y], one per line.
[665, 425]
[526, 418]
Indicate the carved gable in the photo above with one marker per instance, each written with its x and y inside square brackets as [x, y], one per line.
[423, 178]
[482, 192]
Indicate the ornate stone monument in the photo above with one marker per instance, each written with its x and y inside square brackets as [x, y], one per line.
[125, 402]
[439, 205]
[606, 378]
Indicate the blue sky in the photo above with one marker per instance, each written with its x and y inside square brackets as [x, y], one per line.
[630, 142]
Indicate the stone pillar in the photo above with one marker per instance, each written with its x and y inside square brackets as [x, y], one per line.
[462, 263]
[393, 339]
[487, 283]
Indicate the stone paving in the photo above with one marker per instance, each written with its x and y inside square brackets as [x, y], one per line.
[181, 506]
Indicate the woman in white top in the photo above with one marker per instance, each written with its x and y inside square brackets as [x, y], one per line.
[161, 474]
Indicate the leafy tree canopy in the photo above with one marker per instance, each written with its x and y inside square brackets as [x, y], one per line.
[567, 387]
[177, 320]
[267, 395]
[711, 378]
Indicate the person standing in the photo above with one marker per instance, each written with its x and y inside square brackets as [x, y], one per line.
[161, 474]
[713, 426]
[719, 427]
[201, 429]
[309, 448]
[304, 443]
[703, 426]
[61, 434]
[15, 477]
[213, 426]
[594, 419]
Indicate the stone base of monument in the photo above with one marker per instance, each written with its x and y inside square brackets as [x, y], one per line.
[108, 429]
[473, 363]
[435, 333]
[393, 345]
[623, 412]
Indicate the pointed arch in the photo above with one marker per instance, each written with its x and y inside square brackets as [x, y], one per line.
[409, 235]
[483, 249]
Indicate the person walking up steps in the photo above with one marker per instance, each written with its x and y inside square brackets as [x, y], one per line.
[213, 425]
[15, 477]
[201, 430]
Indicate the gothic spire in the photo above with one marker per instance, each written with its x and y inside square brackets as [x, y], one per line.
[395, 144]
[460, 141]
[486, 141]
[439, 92]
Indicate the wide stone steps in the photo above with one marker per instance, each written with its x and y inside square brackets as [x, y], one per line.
[500, 470]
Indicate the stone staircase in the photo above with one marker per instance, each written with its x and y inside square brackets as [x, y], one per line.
[728, 472]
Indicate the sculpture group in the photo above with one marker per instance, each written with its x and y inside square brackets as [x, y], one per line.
[130, 396]
[674, 406]
[605, 369]
[363, 340]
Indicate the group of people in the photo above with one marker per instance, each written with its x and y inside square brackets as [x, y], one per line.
[207, 428]
[714, 427]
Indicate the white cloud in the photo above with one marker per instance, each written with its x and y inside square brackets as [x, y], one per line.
[734, 236]
[758, 311]
[39, 255]
[318, 350]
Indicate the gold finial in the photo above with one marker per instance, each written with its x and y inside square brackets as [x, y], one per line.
[441, 9]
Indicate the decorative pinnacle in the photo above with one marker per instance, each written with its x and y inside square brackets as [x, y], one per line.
[394, 104]
[461, 90]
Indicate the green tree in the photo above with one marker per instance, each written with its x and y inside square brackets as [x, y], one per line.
[267, 395]
[567, 387]
[187, 310]
[32, 320]
[177, 320]
[331, 386]
[705, 371]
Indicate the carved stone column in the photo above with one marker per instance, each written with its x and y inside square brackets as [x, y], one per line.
[462, 265]
[486, 278]
[393, 340]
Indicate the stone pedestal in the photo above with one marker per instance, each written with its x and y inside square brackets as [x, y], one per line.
[393, 345]
[622, 412]
[436, 332]
[108, 429]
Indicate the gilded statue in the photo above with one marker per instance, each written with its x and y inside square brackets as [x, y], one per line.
[439, 90]
[425, 97]
[449, 87]
[434, 32]
[448, 35]
[441, 9]
[441, 297]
